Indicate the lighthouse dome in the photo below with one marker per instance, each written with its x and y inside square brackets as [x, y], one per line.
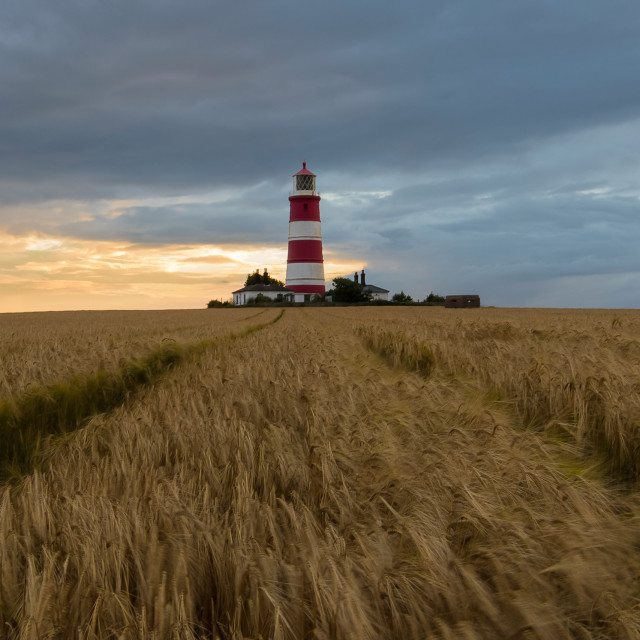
[304, 182]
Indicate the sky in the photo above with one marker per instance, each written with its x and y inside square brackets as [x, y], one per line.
[147, 148]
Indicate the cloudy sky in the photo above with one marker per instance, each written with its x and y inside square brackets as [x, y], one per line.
[486, 147]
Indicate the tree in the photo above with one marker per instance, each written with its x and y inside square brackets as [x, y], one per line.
[264, 278]
[253, 278]
[434, 299]
[346, 290]
[401, 298]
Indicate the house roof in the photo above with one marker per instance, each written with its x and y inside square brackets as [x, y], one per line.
[369, 287]
[373, 289]
[263, 287]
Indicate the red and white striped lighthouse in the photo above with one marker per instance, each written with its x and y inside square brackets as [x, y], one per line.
[305, 268]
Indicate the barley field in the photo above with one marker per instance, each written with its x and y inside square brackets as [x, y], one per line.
[43, 348]
[320, 473]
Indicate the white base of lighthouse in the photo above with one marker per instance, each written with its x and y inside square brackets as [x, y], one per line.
[308, 275]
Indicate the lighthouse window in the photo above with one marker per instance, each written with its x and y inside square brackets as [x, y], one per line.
[305, 183]
[306, 206]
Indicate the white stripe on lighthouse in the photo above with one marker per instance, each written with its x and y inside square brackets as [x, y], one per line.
[304, 230]
[298, 271]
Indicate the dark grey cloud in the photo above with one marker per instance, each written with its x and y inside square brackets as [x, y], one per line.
[176, 94]
[504, 131]
[184, 224]
[253, 216]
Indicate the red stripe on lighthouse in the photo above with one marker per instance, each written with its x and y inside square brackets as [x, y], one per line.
[297, 210]
[305, 251]
[307, 288]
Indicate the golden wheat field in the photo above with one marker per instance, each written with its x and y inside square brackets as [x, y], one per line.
[320, 473]
[42, 348]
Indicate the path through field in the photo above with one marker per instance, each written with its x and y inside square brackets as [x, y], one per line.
[295, 482]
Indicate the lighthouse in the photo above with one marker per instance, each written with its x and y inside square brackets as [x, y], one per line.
[305, 268]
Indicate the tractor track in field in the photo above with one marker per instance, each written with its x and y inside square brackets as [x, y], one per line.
[32, 419]
[416, 389]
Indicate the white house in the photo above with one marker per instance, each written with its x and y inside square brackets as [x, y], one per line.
[377, 293]
[272, 291]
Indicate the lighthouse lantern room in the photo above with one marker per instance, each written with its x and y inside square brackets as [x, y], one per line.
[305, 266]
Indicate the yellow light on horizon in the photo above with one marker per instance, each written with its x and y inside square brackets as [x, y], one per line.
[45, 272]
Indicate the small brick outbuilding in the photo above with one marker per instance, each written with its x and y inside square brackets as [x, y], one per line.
[462, 302]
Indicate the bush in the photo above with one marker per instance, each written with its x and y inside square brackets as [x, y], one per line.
[347, 290]
[401, 298]
[260, 299]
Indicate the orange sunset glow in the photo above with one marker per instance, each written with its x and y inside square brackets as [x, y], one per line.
[39, 273]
